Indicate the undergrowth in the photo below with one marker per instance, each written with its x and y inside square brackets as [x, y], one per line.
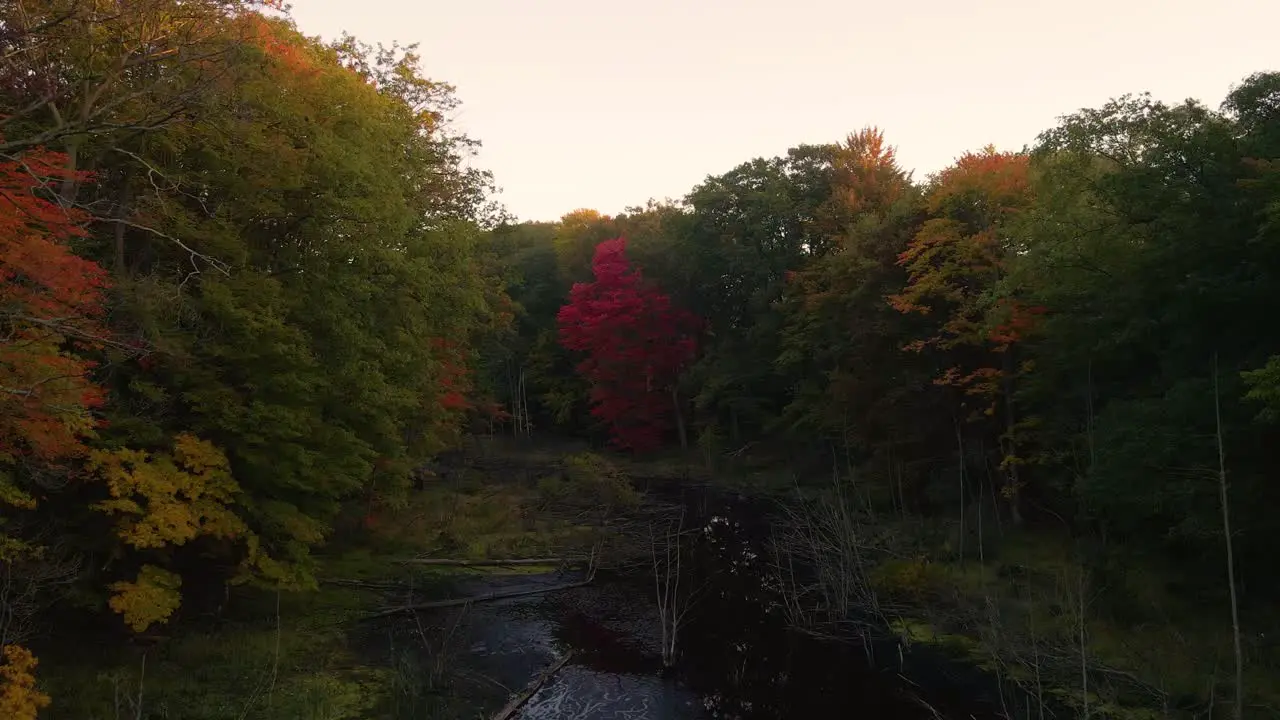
[307, 655]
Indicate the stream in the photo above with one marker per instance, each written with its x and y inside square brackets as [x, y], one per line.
[737, 659]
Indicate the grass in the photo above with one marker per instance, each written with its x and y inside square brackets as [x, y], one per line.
[1025, 603]
[247, 667]
[473, 520]
[1017, 612]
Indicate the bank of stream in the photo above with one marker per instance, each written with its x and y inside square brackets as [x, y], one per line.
[736, 656]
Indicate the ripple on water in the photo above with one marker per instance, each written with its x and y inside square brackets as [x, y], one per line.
[612, 674]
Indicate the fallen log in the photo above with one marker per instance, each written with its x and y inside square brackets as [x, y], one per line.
[519, 700]
[481, 563]
[370, 584]
[454, 602]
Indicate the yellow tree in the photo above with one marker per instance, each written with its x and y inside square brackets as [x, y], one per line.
[19, 698]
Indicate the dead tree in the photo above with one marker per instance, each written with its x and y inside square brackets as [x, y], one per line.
[674, 593]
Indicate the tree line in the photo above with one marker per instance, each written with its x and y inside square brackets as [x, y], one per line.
[1076, 335]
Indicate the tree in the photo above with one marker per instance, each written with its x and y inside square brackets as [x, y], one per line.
[19, 698]
[841, 342]
[287, 272]
[746, 230]
[955, 266]
[51, 304]
[51, 312]
[636, 345]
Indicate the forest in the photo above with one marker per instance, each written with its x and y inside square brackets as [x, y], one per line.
[252, 283]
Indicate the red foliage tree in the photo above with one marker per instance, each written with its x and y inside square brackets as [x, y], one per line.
[50, 303]
[636, 343]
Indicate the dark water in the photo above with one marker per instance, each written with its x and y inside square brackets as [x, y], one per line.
[737, 657]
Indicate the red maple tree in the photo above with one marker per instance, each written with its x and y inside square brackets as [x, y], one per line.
[636, 343]
[51, 304]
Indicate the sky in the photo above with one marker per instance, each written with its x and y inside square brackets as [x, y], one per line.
[605, 104]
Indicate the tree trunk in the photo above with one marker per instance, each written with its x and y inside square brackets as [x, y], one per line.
[1014, 487]
[121, 211]
[1238, 711]
[960, 452]
[69, 185]
[675, 401]
[524, 403]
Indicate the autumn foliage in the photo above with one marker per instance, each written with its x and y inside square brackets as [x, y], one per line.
[868, 177]
[636, 344]
[454, 379]
[959, 254]
[50, 304]
[19, 697]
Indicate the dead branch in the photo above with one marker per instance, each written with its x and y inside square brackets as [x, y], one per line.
[519, 700]
[482, 563]
[370, 584]
[454, 602]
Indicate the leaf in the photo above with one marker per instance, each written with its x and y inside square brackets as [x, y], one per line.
[149, 599]
[167, 500]
[50, 305]
[19, 698]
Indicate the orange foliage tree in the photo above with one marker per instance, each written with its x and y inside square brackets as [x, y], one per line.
[955, 264]
[50, 307]
[19, 698]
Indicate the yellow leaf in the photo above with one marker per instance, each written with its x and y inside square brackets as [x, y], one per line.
[152, 598]
[168, 500]
[19, 698]
[11, 494]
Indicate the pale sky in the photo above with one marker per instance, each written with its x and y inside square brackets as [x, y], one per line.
[604, 104]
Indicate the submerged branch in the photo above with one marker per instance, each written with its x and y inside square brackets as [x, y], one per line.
[518, 701]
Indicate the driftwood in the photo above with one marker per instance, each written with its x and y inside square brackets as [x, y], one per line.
[481, 563]
[454, 602]
[518, 701]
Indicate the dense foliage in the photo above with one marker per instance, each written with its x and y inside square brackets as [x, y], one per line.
[240, 284]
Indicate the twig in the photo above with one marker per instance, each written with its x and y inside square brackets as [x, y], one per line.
[142, 674]
[275, 662]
